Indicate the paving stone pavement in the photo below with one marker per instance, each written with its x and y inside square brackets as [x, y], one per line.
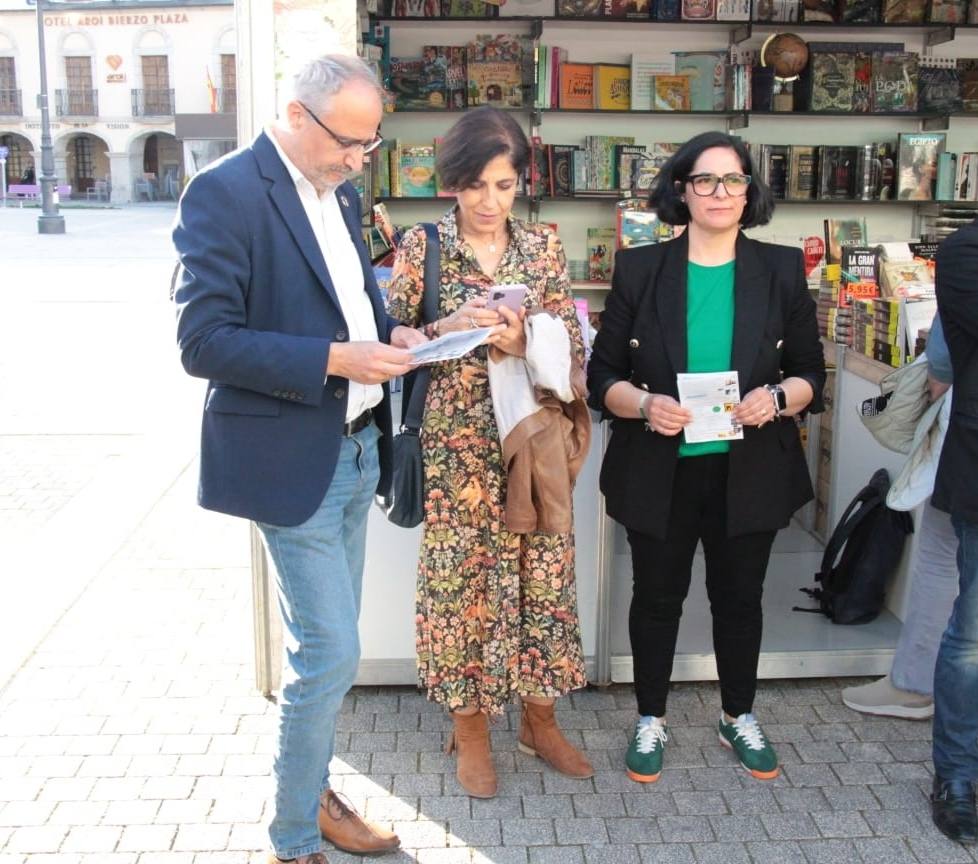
[133, 734]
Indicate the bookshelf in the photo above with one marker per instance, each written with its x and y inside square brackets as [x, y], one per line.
[590, 40]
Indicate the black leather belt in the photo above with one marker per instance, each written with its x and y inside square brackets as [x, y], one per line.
[358, 424]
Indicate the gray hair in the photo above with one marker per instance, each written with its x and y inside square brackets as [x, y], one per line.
[321, 79]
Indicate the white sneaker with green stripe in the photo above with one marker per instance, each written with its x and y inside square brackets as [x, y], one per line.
[745, 737]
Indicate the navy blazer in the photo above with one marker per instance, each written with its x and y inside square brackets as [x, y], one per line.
[642, 339]
[956, 486]
[257, 313]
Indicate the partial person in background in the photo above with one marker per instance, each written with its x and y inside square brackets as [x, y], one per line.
[496, 608]
[278, 307]
[907, 692]
[711, 300]
[956, 492]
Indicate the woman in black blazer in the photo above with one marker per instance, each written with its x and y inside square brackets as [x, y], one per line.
[710, 300]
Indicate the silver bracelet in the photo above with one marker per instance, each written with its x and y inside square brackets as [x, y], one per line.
[646, 398]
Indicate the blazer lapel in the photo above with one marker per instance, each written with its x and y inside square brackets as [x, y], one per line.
[346, 197]
[670, 301]
[286, 200]
[752, 288]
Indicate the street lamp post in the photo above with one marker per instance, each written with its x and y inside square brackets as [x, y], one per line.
[50, 221]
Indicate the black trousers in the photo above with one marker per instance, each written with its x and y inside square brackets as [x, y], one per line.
[735, 568]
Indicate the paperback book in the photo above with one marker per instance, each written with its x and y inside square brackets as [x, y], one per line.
[705, 71]
[600, 253]
[917, 157]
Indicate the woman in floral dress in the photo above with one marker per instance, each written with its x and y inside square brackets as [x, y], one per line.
[496, 611]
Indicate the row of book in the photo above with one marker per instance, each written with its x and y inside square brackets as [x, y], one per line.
[883, 78]
[822, 11]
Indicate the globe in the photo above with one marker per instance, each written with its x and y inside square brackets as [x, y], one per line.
[786, 53]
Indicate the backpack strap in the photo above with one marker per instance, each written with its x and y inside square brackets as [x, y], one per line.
[870, 497]
[414, 412]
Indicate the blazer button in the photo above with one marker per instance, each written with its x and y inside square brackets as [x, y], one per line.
[340, 335]
[633, 343]
[339, 393]
[644, 386]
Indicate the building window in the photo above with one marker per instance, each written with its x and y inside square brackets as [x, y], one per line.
[84, 162]
[9, 94]
[80, 93]
[17, 164]
[229, 84]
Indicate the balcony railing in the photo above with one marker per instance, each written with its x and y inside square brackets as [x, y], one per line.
[227, 100]
[76, 103]
[152, 103]
[10, 105]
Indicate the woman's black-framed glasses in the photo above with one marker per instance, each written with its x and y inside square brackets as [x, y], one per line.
[346, 143]
[706, 184]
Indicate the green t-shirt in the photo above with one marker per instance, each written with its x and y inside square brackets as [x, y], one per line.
[709, 331]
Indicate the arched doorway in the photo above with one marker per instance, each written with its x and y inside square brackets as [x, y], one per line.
[20, 158]
[86, 160]
[162, 165]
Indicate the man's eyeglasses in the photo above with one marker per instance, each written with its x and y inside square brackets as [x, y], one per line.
[706, 184]
[346, 143]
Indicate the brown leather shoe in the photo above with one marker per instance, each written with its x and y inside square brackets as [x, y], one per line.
[345, 829]
[311, 858]
[470, 741]
[540, 736]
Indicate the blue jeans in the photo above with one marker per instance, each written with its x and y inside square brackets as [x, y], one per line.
[318, 568]
[956, 676]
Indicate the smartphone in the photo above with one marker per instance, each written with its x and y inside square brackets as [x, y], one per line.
[510, 296]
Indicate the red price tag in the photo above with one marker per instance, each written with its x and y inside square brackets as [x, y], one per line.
[814, 253]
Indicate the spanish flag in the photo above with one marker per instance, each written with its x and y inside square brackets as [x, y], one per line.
[212, 91]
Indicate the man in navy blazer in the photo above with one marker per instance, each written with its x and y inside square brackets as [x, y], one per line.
[278, 308]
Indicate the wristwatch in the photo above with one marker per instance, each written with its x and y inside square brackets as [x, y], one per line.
[778, 397]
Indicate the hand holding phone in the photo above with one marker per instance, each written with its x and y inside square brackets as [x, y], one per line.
[510, 296]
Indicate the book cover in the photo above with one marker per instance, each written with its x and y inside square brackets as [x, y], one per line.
[802, 172]
[698, 10]
[705, 70]
[938, 87]
[667, 10]
[468, 9]
[630, 9]
[562, 169]
[895, 81]
[761, 88]
[644, 66]
[968, 78]
[948, 11]
[820, 11]
[580, 8]
[774, 168]
[917, 155]
[539, 185]
[832, 81]
[646, 170]
[612, 87]
[947, 167]
[903, 11]
[416, 168]
[600, 253]
[526, 8]
[859, 11]
[837, 172]
[576, 86]
[860, 264]
[497, 84]
[733, 10]
[966, 178]
[862, 89]
[670, 93]
[581, 165]
[405, 81]
[637, 225]
[842, 232]
[626, 155]
[601, 150]
[415, 9]
[434, 75]
[777, 10]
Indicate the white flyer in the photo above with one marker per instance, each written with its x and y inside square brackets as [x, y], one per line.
[712, 397]
[451, 346]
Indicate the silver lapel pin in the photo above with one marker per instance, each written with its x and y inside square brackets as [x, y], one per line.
[343, 201]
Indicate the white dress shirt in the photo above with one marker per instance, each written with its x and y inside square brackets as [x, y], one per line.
[345, 271]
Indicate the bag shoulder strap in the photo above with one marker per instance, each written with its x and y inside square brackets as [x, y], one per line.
[867, 501]
[429, 313]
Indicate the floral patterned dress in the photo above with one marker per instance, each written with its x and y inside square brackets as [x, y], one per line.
[496, 611]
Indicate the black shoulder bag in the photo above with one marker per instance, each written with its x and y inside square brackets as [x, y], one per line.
[406, 506]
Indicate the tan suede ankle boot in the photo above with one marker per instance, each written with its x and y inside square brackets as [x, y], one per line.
[540, 736]
[470, 741]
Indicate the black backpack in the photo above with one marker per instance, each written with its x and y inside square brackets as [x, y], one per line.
[870, 537]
